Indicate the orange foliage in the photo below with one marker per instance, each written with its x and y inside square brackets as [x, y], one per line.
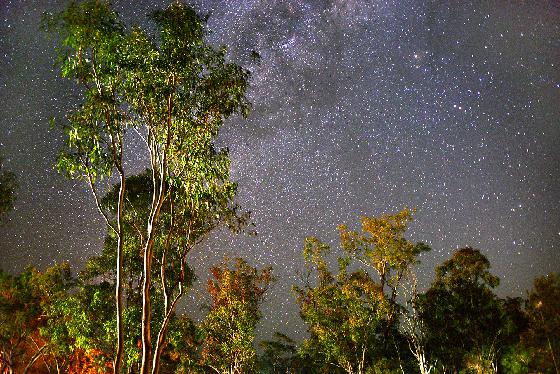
[92, 361]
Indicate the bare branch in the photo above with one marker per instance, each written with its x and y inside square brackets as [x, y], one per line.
[98, 203]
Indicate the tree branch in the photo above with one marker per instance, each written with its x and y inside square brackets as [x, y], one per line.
[98, 203]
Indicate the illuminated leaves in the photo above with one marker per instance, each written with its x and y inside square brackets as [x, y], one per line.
[230, 326]
[343, 312]
[91, 33]
[175, 90]
[381, 246]
[350, 317]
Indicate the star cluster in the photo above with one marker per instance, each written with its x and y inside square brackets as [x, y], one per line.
[359, 108]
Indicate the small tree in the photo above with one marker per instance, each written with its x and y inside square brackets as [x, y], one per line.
[343, 312]
[381, 247]
[371, 308]
[465, 319]
[229, 328]
[542, 337]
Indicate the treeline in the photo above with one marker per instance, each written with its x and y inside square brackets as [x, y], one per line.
[363, 314]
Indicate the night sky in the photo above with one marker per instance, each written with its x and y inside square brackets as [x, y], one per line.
[359, 108]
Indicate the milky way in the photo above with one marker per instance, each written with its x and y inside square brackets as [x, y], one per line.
[359, 108]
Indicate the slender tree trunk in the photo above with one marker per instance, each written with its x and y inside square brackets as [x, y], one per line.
[160, 342]
[146, 306]
[146, 291]
[552, 354]
[162, 333]
[157, 202]
[424, 367]
[117, 365]
[147, 264]
[159, 345]
[33, 359]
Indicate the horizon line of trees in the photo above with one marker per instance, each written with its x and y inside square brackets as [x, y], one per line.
[367, 316]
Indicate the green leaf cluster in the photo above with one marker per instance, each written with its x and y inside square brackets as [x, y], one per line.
[8, 186]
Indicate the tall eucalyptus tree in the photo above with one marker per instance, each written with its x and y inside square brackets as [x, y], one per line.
[175, 90]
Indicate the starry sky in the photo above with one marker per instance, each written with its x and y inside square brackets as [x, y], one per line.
[359, 108]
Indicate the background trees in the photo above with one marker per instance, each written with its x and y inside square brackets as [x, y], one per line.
[50, 321]
[352, 319]
[542, 338]
[468, 324]
[8, 185]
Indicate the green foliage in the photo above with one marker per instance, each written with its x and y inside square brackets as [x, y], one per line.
[542, 338]
[24, 300]
[83, 321]
[515, 360]
[467, 323]
[184, 340]
[8, 186]
[343, 313]
[91, 34]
